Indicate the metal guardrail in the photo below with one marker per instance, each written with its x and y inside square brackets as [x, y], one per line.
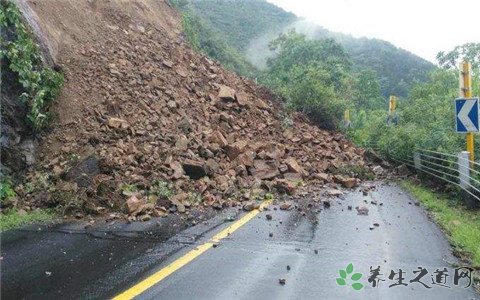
[456, 170]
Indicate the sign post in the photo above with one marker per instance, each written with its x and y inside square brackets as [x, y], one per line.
[392, 105]
[346, 118]
[466, 92]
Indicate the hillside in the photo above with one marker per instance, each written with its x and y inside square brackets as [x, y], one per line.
[253, 24]
[148, 126]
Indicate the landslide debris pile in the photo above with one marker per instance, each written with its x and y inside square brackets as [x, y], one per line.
[162, 128]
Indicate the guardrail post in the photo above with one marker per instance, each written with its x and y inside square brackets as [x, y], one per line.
[464, 169]
[417, 160]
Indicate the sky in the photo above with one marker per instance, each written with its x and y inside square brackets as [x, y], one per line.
[423, 27]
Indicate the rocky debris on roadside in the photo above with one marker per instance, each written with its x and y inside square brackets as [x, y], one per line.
[161, 112]
[362, 211]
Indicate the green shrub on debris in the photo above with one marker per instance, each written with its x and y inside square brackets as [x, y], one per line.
[40, 84]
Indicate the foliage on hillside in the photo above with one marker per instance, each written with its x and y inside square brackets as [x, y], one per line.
[239, 21]
[469, 52]
[309, 74]
[204, 38]
[316, 78]
[426, 118]
[40, 84]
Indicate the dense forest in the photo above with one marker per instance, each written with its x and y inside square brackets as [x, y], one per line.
[245, 23]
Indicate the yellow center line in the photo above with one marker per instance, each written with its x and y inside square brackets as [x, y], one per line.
[150, 281]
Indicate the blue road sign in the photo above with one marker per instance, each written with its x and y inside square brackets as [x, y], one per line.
[466, 111]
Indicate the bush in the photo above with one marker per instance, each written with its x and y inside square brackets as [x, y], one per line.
[40, 85]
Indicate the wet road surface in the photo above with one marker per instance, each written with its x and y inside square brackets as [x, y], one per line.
[249, 263]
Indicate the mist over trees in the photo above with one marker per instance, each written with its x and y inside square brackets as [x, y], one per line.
[322, 73]
[240, 21]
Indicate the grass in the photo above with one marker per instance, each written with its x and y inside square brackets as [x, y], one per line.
[462, 226]
[13, 218]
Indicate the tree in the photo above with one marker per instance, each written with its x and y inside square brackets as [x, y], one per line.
[309, 74]
[469, 52]
[366, 91]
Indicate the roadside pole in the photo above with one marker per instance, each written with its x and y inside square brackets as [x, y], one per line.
[466, 92]
[392, 105]
[346, 118]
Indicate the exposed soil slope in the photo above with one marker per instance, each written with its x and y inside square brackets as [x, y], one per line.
[139, 105]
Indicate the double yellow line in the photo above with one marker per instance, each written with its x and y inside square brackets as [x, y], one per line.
[152, 280]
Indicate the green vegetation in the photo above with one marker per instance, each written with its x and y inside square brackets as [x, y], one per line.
[310, 75]
[6, 190]
[128, 189]
[14, 218]
[162, 189]
[204, 38]
[240, 22]
[320, 75]
[426, 116]
[461, 225]
[40, 85]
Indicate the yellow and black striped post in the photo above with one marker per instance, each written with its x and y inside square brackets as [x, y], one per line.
[466, 92]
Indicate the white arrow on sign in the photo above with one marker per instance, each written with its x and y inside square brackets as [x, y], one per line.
[464, 118]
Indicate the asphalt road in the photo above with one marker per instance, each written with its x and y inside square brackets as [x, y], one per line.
[306, 246]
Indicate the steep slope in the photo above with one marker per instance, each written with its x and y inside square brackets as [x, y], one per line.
[249, 25]
[143, 117]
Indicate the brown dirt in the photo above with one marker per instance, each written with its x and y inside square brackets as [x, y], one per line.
[143, 106]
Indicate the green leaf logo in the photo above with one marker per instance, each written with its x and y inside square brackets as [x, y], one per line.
[343, 281]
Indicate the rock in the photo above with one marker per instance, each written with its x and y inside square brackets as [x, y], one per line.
[226, 93]
[362, 211]
[285, 186]
[402, 169]
[282, 281]
[211, 167]
[168, 64]
[172, 104]
[177, 200]
[134, 204]
[194, 169]
[241, 170]
[117, 123]
[177, 170]
[84, 172]
[378, 170]
[218, 138]
[268, 217]
[247, 158]
[236, 149]
[349, 182]
[242, 98]
[249, 206]
[270, 234]
[293, 166]
[263, 169]
[326, 204]
[182, 143]
[333, 193]
[273, 151]
[285, 206]
[322, 176]
[145, 218]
